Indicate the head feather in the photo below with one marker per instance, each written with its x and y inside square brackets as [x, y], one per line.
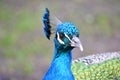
[49, 21]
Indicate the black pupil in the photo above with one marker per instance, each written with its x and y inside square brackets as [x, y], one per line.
[61, 35]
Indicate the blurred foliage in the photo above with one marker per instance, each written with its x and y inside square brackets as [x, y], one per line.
[12, 27]
[103, 23]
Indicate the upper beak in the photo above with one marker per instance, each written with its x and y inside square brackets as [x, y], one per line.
[75, 42]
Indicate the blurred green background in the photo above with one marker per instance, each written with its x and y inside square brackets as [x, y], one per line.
[25, 53]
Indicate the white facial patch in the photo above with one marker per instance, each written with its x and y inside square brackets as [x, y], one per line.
[75, 41]
[58, 38]
[68, 37]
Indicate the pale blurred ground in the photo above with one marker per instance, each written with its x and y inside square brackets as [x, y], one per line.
[25, 53]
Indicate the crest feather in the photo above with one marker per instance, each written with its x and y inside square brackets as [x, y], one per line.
[49, 21]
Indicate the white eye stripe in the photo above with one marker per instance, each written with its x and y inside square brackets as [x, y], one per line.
[68, 38]
[60, 41]
[58, 38]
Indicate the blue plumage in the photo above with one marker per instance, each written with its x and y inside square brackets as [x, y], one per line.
[60, 67]
[66, 38]
[46, 22]
[68, 28]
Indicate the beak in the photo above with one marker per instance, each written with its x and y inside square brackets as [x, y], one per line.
[75, 42]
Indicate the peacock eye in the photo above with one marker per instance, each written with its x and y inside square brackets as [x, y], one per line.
[62, 35]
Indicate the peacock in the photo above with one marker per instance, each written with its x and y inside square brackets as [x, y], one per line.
[105, 66]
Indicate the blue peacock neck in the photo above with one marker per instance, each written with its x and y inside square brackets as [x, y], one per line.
[60, 68]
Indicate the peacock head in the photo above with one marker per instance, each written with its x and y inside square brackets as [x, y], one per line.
[67, 37]
[66, 34]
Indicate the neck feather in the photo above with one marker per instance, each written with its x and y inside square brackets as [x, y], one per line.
[60, 67]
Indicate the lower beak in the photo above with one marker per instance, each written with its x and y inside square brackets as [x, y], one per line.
[75, 42]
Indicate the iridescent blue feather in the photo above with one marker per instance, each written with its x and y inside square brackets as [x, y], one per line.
[46, 22]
